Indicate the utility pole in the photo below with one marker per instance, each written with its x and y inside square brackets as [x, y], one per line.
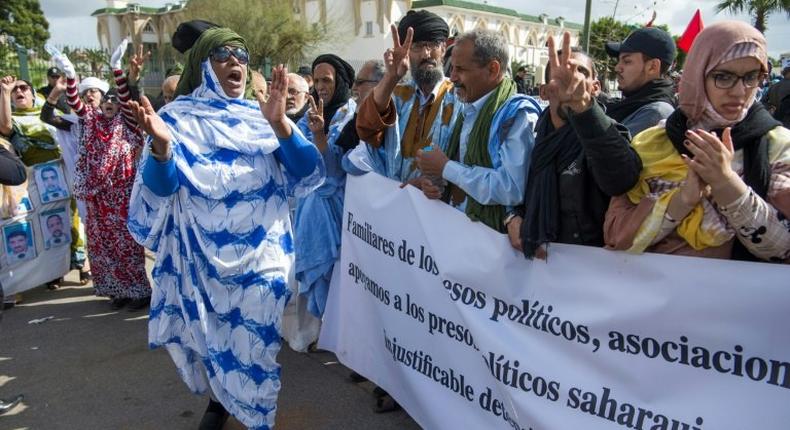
[587, 12]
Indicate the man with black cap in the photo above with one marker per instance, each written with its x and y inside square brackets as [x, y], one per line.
[307, 74]
[403, 118]
[644, 60]
[53, 76]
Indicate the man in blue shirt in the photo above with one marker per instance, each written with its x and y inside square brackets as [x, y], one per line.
[488, 155]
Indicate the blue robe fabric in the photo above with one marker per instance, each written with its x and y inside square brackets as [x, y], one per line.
[318, 218]
[224, 249]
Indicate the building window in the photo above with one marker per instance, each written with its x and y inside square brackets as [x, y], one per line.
[368, 28]
[148, 28]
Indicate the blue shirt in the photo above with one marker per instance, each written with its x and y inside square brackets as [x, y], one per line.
[504, 185]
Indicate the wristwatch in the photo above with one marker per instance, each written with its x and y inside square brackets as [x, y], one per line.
[509, 217]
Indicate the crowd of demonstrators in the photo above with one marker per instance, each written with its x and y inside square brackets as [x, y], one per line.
[715, 180]
[702, 171]
[105, 170]
[215, 212]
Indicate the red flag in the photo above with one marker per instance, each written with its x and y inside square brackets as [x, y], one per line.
[692, 30]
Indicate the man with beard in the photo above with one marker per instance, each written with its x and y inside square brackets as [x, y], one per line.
[403, 118]
[644, 60]
[296, 102]
[488, 154]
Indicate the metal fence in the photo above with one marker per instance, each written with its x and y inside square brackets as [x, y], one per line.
[32, 64]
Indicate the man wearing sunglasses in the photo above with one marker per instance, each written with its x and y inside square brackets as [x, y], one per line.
[403, 118]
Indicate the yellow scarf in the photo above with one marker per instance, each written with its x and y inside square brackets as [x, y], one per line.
[660, 160]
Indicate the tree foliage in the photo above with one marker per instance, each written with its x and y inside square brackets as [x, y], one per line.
[760, 10]
[272, 31]
[24, 20]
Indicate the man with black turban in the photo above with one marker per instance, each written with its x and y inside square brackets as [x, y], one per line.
[318, 217]
[401, 118]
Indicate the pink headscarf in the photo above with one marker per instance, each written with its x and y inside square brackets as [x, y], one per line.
[717, 44]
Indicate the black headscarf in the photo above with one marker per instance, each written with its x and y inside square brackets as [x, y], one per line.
[657, 90]
[344, 79]
[427, 26]
[747, 135]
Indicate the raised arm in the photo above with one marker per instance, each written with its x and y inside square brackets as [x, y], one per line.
[48, 111]
[72, 94]
[6, 88]
[122, 82]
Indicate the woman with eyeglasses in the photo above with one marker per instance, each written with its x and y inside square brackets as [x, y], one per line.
[211, 200]
[105, 170]
[715, 180]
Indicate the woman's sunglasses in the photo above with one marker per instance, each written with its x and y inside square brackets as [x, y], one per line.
[22, 87]
[221, 54]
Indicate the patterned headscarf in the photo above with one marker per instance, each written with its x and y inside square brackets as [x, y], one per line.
[717, 44]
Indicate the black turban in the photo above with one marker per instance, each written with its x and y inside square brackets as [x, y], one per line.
[188, 32]
[344, 80]
[428, 26]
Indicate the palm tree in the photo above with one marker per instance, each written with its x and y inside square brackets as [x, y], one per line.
[759, 9]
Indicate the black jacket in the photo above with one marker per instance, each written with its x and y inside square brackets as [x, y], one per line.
[12, 170]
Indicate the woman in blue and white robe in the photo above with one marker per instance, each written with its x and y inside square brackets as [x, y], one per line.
[212, 203]
[319, 215]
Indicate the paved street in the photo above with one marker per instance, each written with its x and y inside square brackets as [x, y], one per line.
[90, 368]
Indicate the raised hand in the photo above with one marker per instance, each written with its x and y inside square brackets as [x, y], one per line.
[566, 83]
[396, 59]
[117, 55]
[712, 161]
[63, 63]
[315, 116]
[259, 88]
[274, 107]
[137, 63]
[7, 84]
[150, 122]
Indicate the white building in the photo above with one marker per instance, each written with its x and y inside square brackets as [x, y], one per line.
[359, 29]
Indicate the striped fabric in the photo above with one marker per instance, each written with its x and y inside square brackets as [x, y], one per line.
[224, 249]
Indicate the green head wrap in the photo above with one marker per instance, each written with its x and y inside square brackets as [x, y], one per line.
[210, 39]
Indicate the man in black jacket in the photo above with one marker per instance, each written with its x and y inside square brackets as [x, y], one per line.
[644, 60]
[581, 158]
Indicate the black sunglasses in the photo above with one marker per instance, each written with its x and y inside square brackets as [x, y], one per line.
[110, 98]
[221, 54]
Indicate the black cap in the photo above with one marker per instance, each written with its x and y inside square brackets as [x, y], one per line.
[304, 71]
[54, 71]
[651, 41]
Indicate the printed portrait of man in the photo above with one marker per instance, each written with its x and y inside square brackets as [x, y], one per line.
[57, 233]
[51, 186]
[19, 243]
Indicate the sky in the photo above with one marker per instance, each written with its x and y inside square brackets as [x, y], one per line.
[71, 24]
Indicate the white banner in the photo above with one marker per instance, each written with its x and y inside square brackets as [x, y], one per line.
[467, 334]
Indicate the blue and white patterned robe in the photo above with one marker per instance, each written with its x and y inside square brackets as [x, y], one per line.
[318, 219]
[223, 247]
